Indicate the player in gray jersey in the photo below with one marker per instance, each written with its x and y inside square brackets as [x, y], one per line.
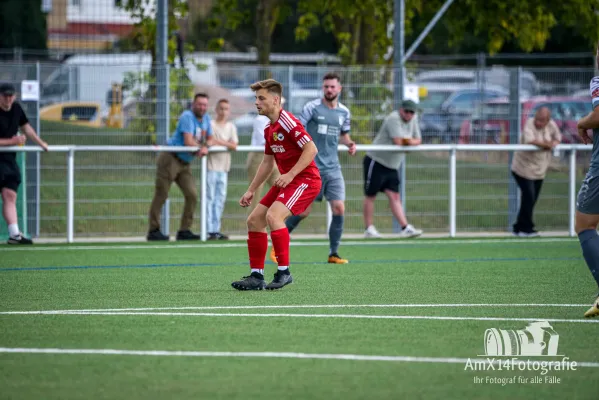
[328, 122]
[587, 203]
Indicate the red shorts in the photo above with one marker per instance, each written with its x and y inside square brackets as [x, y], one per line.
[297, 196]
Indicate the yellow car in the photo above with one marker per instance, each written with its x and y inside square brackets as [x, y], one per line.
[75, 112]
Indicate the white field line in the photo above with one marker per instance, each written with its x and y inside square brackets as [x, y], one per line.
[282, 315]
[352, 357]
[399, 242]
[264, 307]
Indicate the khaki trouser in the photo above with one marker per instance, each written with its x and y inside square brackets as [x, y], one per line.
[170, 169]
[253, 162]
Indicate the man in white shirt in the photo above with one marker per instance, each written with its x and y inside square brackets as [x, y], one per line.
[219, 164]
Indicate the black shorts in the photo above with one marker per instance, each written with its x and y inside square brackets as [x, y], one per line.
[378, 178]
[10, 175]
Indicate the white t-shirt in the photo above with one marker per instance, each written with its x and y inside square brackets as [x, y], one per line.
[221, 161]
[258, 133]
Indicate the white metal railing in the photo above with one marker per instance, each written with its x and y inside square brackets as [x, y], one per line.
[451, 149]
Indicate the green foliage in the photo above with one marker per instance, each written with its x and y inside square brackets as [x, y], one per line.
[360, 28]
[144, 34]
[22, 24]
[497, 23]
[181, 90]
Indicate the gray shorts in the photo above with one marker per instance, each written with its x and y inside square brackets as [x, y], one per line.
[587, 201]
[333, 186]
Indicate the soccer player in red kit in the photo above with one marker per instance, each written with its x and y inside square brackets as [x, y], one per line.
[291, 148]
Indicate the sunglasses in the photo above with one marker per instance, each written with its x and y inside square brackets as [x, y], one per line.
[408, 111]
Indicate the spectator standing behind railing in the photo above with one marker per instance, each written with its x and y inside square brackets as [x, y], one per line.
[380, 168]
[175, 167]
[219, 165]
[13, 118]
[529, 167]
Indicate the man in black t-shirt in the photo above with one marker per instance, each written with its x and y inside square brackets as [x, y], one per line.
[13, 119]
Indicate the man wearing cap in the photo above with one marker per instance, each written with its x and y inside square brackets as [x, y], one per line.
[13, 118]
[380, 168]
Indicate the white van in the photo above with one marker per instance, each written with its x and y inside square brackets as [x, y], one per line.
[90, 77]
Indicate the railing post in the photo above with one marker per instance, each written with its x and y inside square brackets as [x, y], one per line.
[70, 194]
[203, 198]
[452, 192]
[572, 192]
[38, 182]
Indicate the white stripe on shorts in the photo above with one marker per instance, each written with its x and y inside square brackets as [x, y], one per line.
[296, 195]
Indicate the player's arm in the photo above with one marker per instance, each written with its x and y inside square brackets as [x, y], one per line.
[346, 140]
[309, 151]
[264, 170]
[591, 121]
[28, 131]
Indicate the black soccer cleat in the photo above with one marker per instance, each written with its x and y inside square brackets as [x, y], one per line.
[156, 235]
[255, 281]
[19, 240]
[187, 235]
[281, 279]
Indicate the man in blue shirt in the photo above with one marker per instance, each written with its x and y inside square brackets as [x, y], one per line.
[193, 129]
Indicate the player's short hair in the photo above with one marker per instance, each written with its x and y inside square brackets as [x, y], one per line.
[270, 85]
[332, 75]
[223, 101]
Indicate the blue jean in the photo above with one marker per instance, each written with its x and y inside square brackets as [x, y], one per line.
[216, 195]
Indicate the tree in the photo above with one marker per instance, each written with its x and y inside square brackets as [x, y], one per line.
[142, 85]
[144, 32]
[360, 28]
[22, 24]
[229, 16]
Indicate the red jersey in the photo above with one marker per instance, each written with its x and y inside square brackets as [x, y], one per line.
[285, 140]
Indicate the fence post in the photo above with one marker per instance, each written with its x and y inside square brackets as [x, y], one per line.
[402, 191]
[70, 194]
[515, 119]
[452, 192]
[289, 104]
[572, 192]
[37, 158]
[203, 198]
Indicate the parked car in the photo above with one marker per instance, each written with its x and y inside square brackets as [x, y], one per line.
[446, 106]
[75, 112]
[492, 123]
[496, 76]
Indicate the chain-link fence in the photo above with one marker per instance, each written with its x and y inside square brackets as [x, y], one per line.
[111, 100]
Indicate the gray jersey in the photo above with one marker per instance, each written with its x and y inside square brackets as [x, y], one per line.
[594, 165]
[325, 125]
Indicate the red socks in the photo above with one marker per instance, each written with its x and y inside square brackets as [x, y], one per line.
[257, 247]
[280, 242]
